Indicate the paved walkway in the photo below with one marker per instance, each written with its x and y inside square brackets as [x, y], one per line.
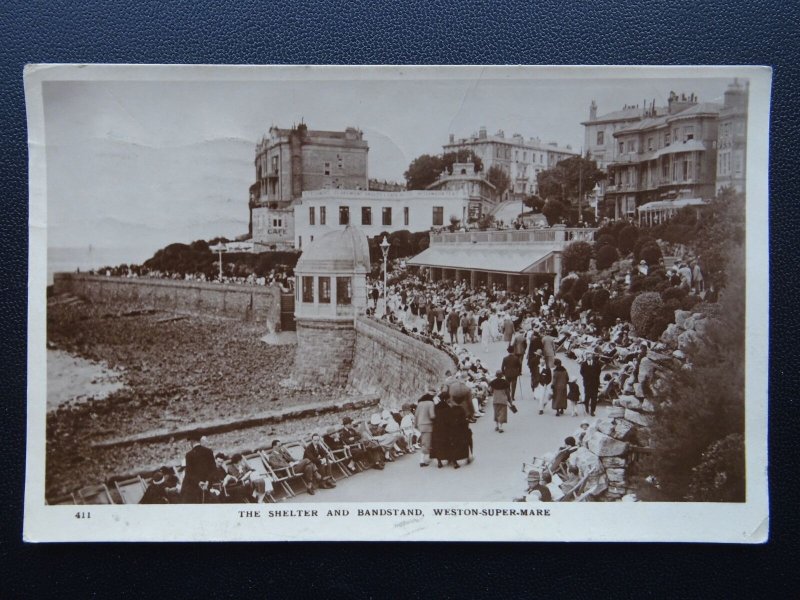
[495, 474]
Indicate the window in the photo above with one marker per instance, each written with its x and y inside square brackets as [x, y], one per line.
[525, 157]
[344, 215]
[387, 215]
[324, 290]
[327, 168]
[274, 164]
[631, 146]
[622, 147]
[650, 144]
[438, 216]
[299, 241]
[541, 158]
[339, 162]
[405, 216]
[277, 222]
[366, 215]
[737, 162]
[665, 167]
[516, 154]
[687, 168]
[666, 139]
[688, 133]
[344, 290]
[308, 289]
[311, 215]
[322, 215]
[601, 135]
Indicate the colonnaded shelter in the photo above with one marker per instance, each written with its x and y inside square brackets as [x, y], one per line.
[520, 259]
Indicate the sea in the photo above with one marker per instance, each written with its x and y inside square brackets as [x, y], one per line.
[92, 257]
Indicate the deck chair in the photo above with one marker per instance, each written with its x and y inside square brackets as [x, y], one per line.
[66, 499]
[338, 458]
[96, 494]
[131, 490]
[284, 477]
[571, 487]
[260, 471]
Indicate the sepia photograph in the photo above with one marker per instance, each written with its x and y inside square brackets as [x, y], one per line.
[397, 303]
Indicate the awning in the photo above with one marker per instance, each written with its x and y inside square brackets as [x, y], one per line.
[671, 204]
[688, 146]
[479, 257]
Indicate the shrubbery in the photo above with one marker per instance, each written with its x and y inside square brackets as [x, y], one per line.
[577, 256]
[600, 299]
[645, 311]
[627, 238]
[606, 256]
[720, 476]
[651, 254]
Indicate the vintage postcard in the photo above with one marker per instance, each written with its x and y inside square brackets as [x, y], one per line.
[397, 303]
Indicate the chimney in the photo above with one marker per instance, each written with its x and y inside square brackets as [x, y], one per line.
[482, 132]
[593, 111]
[452, 138]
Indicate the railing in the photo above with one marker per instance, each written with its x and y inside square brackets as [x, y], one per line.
[515, 236]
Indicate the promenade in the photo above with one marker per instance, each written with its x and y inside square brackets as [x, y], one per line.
[495, 474]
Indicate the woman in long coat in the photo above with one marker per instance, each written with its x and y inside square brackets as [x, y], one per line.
[560, 381]
[442, 425]
[460, 434]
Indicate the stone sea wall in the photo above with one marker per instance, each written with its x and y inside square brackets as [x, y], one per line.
[394, 365]
[260, 304]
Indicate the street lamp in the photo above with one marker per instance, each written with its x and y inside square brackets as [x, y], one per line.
[385, 249]
[220, 247]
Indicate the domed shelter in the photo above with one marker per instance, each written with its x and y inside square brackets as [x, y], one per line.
[331, 291]
[331, 276]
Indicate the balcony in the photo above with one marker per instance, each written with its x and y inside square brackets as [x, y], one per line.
[552, 235]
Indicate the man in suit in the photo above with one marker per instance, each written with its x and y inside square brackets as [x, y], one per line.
[363, 451]
[423, 421]
[549, 348]
[590, 372]
[200, 470]
[279, 459]
[317, 455]
[511, 368]
[520, 344]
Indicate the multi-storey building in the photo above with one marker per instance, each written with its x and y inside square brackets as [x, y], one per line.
[664, 156]
[522, 159]
[599, 130]
[321, 211]
[480, 191]
[732, 140]
[291, 161]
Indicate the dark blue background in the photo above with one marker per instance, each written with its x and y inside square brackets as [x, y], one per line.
[362, 31]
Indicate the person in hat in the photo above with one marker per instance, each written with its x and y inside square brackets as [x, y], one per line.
[549, 347]
[537, 491]
[200, 470]
[580, 432]
[318, 455]
[590, 373]
[424, 417]
[642, 268]
[365, 453]
[560, 381]
[501, 400]
[156, 492]
[543, 378]
[512, 369]
[279, 459]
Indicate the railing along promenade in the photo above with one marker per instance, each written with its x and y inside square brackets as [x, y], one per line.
[553, 234]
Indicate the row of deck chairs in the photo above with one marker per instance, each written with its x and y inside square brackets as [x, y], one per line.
[564, 486]
[280, 483]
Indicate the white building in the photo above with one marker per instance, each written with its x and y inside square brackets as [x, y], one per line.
[321, 211]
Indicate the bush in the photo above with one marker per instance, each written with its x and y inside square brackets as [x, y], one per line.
[606, 257]
[566, 286]
[620, 308]
[627, 238]
[642, 241]
[578, 289]
[577, 256]
[720, 476]
[674, 292]
[689, 302]
[587, 299]
[651, 254]
[645, 310]
[605, 240]
[600, 299]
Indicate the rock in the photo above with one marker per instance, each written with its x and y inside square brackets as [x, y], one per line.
[622, 431]
[604, 445]
[612, 462]
[688, 324]
[638, 390]
[648, 406]
[636, 418]
[616, 412]
[703, 327]
[679, 354]
[605, 426]
[589, 465]
[681, 316]
[628, 402]
[630, 497]
[616, 477]
[660, 347]
[697, 316]
[689, 341]
[670, 335]
[646, 368]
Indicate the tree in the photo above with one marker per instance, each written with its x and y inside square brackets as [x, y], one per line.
[461, 156]
[569, 178]
[644, 312]
[577, 256]
[606, 256]
[534, 202]
[553, 210]
[499, 179]
[423, 171]
[627, 238]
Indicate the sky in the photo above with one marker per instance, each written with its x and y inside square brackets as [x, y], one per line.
[145, 163]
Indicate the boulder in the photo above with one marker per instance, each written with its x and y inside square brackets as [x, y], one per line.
[616, 412]
[605, 426]
[628, 402]
[636, 418]
[703, 326]
[613, 462]
[688, 324]
[630, 497]
[648, 406]
[646, 368]
[604, 445]
[588, 464]
[616, 477]
[670, 335]
[681, 316]
[638, 390]
[697, 316]
[623, 430]
[679, 354]
[689, 341]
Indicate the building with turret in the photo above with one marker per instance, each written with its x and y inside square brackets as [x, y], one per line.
[291, 161]
[732, 138]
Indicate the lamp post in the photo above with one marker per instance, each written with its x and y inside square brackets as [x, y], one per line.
[385, 249]
[596, 192]
[219, 248]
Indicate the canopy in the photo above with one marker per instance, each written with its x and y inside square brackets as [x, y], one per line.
[475, 257]
[671, 204]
